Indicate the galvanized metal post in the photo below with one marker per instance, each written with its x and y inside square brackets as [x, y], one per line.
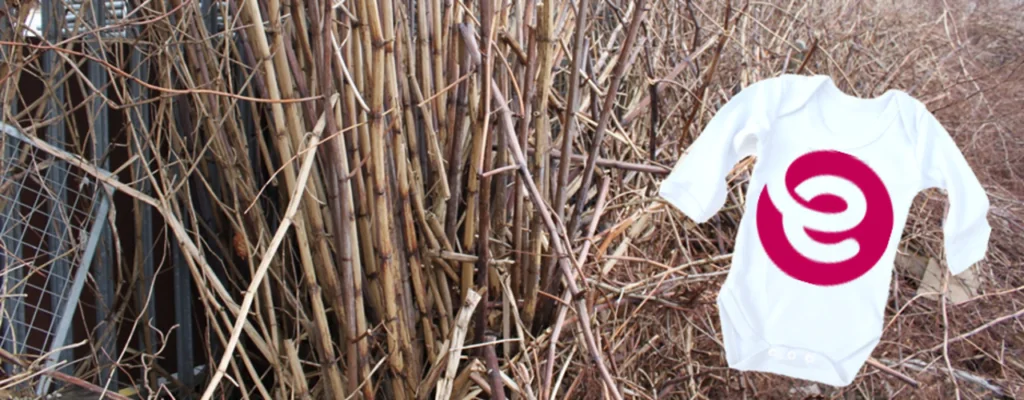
[182, 284]
[210, 12]
[182, 277]
[104, 275]
[209, 15]
[53, 24]
[139, 118]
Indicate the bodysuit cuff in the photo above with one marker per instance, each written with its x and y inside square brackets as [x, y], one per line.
[684, 201]
[963, 253]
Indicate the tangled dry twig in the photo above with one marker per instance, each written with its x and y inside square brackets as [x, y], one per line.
[382, 199]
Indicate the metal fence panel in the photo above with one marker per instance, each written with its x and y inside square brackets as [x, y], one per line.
[39, 299]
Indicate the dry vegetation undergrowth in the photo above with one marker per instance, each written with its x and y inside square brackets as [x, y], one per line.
[413, 204]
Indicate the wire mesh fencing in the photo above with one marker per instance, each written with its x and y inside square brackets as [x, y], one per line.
[52, 215]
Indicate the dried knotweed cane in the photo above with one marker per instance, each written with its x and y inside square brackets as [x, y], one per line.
[403, 166]
[357, 353]
[560, 250]
[569, 125]
[412, 349]
[519, 236]
[549, 366]
[606, 110]
[447, 383]
[569, 130]
[493, 370]
[480, 180]
[322, 20]
[541, 161]
[381, 56]
[365, 205]
[430, 77]
[288, 220]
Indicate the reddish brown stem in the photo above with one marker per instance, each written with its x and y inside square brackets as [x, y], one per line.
[560, 249]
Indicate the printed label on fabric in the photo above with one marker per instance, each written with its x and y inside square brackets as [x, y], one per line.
[835, 223]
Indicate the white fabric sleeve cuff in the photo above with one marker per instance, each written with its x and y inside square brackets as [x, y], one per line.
[968, 250]
[685, 202]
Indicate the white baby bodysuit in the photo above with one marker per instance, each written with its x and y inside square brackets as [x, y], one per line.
[830, 191]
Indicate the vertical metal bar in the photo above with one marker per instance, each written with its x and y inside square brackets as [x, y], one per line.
[104, 270]
[209, 15]
[182, 278]
[56, 175]
[139, 117]
[210, 12]
[183, 315]
[181, 274]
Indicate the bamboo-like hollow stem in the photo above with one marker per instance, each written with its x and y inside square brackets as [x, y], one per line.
[405, 168]
[493, 371]
[569, 128]
[424, 87]
[549, 366]
[606, 163]
[288, 221]
[437, 36]
[324, 272]
[545, 49]
[312, 214]
[471, 221]
[483, 181]
[560, 249]
[519, 237]
[606, 110]
[323, 19]
[353, 322]
[365, 203]
[382, 58]
[447, 383]
[363, 257]
[284, 142]
[572, 100]
[498, 211]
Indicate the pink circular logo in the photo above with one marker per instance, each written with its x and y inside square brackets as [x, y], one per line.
[871, 233]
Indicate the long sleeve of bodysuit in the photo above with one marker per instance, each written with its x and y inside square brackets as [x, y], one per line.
[966, 229]
[697, 184]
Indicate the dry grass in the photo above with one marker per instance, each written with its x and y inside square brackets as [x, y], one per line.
[378, 235]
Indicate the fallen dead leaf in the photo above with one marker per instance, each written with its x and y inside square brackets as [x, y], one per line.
[962, 287]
